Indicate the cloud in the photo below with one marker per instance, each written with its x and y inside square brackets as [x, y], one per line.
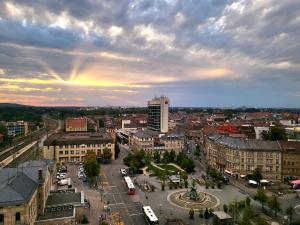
[152, 47]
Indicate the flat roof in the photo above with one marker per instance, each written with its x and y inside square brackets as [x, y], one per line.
[63, 198]
[57, 214]
[78, 138]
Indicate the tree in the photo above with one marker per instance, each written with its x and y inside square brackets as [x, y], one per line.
[276, 134]
[274, 204]
[172, 156]
[261, 197]
[91, 167]
[197, 151]
[290, 212]
[247, 216]
[163, 177]
[206, 215]
[106, 155]
[191, 213]
[188, 165]
[225, 208]
[260, 221]
[248, 201]
[156, 157]
[257, 175]
[117, 149]
[3, 129]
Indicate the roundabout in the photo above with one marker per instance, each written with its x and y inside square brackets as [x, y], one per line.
[182, 199]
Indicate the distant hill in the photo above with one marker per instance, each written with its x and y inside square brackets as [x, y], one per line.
[12, 105]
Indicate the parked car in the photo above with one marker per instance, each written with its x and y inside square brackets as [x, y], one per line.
[225, 180]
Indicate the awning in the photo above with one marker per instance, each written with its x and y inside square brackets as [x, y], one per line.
[264, 181]
[295, 182]
[229, 172]
[252, 182]
[243, 175]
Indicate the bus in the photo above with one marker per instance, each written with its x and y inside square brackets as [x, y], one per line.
[129, 185]
[149, 215]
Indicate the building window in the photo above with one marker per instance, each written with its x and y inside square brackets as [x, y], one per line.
[1, 218]
[18, 217]
[61, 152]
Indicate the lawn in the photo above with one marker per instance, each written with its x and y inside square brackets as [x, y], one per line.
[156, 170]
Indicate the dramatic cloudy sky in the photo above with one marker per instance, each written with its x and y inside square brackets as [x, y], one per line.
[123, 52]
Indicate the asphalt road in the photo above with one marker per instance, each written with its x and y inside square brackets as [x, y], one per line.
[124, 207]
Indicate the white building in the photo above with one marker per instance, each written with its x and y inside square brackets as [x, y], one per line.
[158, 114]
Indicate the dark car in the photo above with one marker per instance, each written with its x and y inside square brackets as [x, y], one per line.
[225, 180]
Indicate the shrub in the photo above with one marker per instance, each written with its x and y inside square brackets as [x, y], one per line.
[191, 214]
[84, 220]
[225, 208]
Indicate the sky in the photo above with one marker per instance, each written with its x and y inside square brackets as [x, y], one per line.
[199, 53]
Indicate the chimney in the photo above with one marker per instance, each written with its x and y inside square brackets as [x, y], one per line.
[40, 175]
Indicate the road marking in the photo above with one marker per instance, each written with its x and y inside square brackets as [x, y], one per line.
[135, 214]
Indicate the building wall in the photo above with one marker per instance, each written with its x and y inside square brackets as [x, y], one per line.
[28, 212]
[137, 144]
[62, 221]
[290, 163]
[75, 153]
[174, 144]
[243, 162]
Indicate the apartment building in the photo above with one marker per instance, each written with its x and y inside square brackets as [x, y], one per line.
[76, 124]
[72, 147]
[239, 157]
[173, 142]
[158, 114]
[141, 140]
[290, 158]
[17, 128]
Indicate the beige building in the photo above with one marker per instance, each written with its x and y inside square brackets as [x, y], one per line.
[72, 147]
[76, 124]
[141, 140]
[290, 158]
[24, 191]
[173, 142]
[239, 157]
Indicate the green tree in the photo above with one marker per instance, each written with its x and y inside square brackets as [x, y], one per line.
[274, 204]
[117, 149]
[197, 151]
[188, 165]
[191, 213]
[261, 197]
[172, 156]
[290, 212]
[257, 175]
[156, 157]
[260, 221]
[225, 208]
[3, 129]
[248, 201]
[247, 216]
[206, 215]
[91, 167]
[276, 134]
[106, 155]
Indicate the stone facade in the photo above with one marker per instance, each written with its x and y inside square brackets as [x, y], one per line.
[73, 148]
[290, 158]
[241, 156]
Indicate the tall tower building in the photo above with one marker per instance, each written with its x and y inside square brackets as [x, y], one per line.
[158, 114]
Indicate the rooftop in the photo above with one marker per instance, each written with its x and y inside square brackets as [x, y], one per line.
[242, 143]
[15, 187]
[222, 215]
[76, 122]
[78, 138]
[55, 199]
[61, 213]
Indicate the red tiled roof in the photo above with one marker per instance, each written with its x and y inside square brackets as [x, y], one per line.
[227, 129]
[76, 122]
